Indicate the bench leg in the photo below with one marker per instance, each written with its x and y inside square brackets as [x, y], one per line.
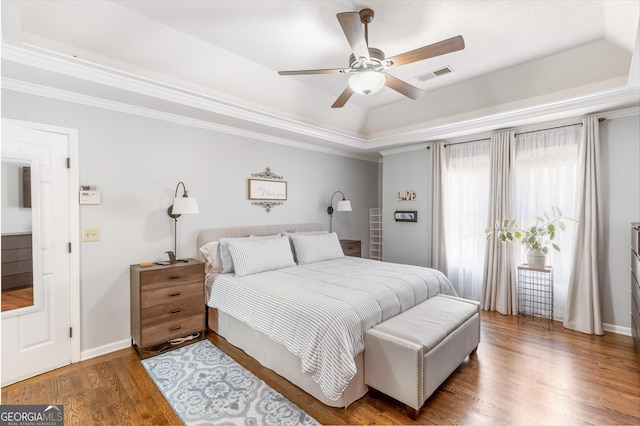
[412, 413]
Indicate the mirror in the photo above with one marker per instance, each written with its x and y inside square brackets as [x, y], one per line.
[17, 248]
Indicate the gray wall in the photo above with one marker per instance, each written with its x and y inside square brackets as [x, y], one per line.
[620, 157]
[620, 149]
[405, 242]
[137, 163]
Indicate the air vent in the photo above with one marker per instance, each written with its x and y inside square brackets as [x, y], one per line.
[433, 74]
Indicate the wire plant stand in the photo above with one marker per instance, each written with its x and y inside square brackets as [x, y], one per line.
[535, 295]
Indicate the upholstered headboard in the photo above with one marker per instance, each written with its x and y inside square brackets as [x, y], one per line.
[214, 234]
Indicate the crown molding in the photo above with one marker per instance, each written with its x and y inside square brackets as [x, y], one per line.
[89, 71]
[400, 141]
[609, 115]
[67, 96]
[592, 103]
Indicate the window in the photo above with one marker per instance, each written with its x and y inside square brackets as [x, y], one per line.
[466, 198]
[545, 176]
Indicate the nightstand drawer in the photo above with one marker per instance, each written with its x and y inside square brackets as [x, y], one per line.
[174, 276]
[172, 310]
[171, 294]
[351, 247]
[169, 329]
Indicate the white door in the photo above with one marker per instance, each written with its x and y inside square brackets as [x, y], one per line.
[45, 334]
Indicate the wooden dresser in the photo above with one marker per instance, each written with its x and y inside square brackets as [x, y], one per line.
[167, 303]
[351, 247]
[17, 262]
[635, 285]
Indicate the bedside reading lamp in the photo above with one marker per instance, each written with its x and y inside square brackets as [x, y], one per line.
[344, 205]
[181, 205]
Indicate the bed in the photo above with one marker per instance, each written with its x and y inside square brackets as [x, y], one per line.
[300, 307]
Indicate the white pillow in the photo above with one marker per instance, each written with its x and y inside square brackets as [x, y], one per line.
[314, 248]
[226, 262]
[290, 233]
[259, 255]
[210, 253]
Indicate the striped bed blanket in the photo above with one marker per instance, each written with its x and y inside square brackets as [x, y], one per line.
[320, 311]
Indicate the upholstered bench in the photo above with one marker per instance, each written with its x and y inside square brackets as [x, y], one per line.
[410, 355]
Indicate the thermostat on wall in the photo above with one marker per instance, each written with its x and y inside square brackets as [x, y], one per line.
[89, 194]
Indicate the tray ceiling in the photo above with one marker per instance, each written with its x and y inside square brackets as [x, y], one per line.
[217, 62]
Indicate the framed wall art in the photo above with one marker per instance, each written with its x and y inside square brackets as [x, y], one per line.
[260, 189]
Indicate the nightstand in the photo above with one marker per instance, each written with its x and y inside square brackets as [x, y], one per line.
[351, 247]
[167, 302]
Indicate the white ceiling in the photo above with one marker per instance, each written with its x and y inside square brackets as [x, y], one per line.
[216, 62]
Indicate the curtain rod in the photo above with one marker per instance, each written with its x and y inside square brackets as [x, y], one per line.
[600, 120]
[549, 128]
[460, 143]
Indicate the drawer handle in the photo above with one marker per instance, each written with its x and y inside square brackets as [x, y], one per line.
[174, 294]
[175, 328]
[174, 277]
[175, 311]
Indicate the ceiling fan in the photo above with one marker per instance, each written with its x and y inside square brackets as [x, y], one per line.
[368, 64]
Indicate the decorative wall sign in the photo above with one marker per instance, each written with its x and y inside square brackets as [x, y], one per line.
[407, 195]
[269, 189]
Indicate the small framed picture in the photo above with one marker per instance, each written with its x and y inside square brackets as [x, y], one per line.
[260, 189]
[406, 216]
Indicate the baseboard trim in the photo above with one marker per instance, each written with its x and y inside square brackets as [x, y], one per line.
[617, 329]
[105, 349]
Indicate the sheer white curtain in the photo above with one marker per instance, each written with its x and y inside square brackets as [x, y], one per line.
[545, 177]
[466, 198]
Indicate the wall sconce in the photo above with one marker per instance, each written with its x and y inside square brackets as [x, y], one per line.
[181, 205]
[343, 205]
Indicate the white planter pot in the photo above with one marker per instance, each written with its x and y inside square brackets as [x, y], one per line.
[536, 259]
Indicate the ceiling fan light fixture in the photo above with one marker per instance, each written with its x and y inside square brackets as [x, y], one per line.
[367, 81]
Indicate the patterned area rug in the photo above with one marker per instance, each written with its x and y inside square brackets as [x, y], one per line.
[205, 387]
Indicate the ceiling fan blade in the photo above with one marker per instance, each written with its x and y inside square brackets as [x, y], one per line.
[440, 48]
[321, 71]
[343, 98]
[403, 87]
[353, 29]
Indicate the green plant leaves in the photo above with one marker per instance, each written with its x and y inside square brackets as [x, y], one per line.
[537, 237]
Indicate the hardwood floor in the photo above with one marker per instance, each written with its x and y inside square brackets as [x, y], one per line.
[521, 374]
[16, 298]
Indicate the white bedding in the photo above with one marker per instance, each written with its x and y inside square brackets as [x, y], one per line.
[320, 311]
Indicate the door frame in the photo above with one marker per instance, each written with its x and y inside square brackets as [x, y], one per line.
[74, 225]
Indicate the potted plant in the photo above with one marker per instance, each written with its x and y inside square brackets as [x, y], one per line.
[537, 239]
